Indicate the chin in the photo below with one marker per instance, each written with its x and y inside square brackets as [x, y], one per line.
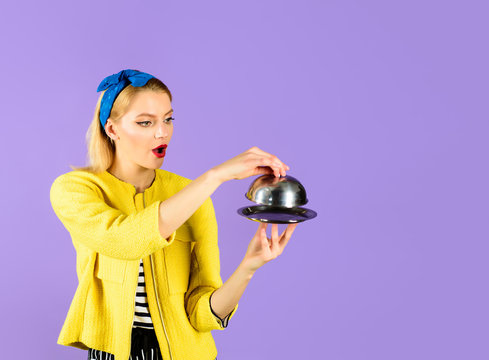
[153, 166]
[158, 163]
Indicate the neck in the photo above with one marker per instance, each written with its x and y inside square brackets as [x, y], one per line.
[141, 178]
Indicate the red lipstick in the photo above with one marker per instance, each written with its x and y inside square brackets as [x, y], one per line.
[160, 151]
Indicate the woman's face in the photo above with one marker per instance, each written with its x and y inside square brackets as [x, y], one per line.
[146, 125]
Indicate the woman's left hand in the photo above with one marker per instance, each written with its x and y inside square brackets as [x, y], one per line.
[262, 249]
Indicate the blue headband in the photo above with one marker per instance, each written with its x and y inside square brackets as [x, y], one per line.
[114, 85]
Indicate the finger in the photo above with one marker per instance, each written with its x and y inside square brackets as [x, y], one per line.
[274, 232]
[262, 226]
[261, 161]
[264, 237]
[265, 241]
[275, 159]
[264, 170]
[286, 234]
[275, 237]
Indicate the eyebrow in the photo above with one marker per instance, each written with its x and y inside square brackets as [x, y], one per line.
[151, 115]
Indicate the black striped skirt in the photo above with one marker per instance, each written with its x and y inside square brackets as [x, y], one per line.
[144, 346]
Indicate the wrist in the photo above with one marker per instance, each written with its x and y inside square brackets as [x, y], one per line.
[246, 270]
[217, 175]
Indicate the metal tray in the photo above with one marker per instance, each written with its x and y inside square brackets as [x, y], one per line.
[276, 215]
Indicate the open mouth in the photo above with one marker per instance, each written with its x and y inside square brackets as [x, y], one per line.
[159, 151]
[160, 148]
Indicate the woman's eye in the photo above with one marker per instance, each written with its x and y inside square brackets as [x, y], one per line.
[168, 120]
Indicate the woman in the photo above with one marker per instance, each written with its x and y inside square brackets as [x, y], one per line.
[145, 238]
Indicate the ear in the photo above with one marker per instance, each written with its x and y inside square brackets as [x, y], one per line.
[110, 129]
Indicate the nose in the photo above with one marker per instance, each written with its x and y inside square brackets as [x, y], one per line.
[162, 130]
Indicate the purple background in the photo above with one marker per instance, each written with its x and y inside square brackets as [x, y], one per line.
[379, 108]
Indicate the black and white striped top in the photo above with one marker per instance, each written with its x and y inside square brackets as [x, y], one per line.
[142, 317]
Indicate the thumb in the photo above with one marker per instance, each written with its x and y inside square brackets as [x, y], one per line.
[263, 170]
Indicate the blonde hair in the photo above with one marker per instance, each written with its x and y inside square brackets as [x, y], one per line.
[101, 149]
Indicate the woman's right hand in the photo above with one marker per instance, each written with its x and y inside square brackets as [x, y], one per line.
[253, 161]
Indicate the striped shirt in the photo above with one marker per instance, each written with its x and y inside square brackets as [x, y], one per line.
[142, 317]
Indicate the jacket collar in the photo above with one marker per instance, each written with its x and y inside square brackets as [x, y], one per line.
[107, 176]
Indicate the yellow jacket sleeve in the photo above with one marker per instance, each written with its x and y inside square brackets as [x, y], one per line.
[80, 206]
[205, 271]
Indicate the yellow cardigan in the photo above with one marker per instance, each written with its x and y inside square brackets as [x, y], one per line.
[112, 228]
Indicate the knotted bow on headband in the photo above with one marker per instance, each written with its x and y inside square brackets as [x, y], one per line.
[114, 85]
